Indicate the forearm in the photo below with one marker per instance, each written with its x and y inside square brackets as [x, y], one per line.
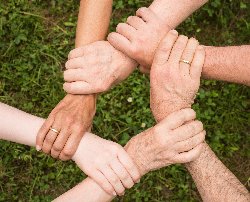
[228, 64]
[175, 12]
[214, 180]
[20, 127]
[86, 191]
[93, 21]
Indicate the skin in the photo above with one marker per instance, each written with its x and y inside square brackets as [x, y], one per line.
[79, 110]
[213, 180]
[171, 14]
[141, 34]
[106, 162]
[185, 146]
[146, 148]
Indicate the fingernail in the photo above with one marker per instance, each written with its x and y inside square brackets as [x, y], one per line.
[38, 148]
[137, 181]
[114, 193]
[174, 32]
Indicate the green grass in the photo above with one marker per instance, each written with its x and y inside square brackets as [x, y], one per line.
[35, 38]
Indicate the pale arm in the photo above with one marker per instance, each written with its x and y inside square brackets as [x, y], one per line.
[175, 12]
[20, 127]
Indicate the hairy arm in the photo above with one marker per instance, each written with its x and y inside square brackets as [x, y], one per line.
[229, 63]
[215, 182]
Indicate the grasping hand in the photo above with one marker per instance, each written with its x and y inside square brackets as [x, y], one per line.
[174, 83]
[95, 68]
[72, 117]
[171, 141]
[140, 36]
[107, 163]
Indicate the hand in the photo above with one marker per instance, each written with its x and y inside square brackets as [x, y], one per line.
[95, 68]
[174, 84]
[107, 163]
[140, 37]
[171, 141]
[72, 117]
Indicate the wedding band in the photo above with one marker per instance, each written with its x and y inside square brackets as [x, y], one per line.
[185, 61]
[54, 130]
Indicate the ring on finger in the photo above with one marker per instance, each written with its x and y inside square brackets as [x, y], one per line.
[185, 61]
[54, 130]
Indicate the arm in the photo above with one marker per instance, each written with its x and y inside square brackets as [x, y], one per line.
[20, 127]
[93, 21]
[92, 25]
[116, 66]
[228, 64]
[157, 147]
[214, 181]
[175, 12]
[139, 39]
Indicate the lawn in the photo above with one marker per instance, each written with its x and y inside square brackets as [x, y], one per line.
[35, 38]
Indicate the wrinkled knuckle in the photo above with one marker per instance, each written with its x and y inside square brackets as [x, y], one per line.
[124, 176]
[115, 180]
[68, 152]
[57, 147]
[49, 140]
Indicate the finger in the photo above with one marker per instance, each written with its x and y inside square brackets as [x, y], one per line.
[52, 135]
[197, 64]
[71, 75]
[43, 132]
[79, 87]
[178, 118]
[128, 163]
[188, 130]
[70, 146]
[79, 52]
[188, 55]
[60, 142]
[122, 173]
[191, 143]
[146, 14]
[126, 30]
[120, 43]
[113, 179]
[165, 47]
[75, 63]
[178, 49]
[101, 180]
[136, 22]
[189, 156]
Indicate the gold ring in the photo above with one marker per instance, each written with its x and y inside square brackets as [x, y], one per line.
[54, 130]
[185, 61]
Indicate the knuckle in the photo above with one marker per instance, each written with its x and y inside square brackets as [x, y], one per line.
[115, 180]
[49, 140]
[57, 147]
[68, 152]
[124, 176]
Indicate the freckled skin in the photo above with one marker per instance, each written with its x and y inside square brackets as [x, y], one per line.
[229, 63]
